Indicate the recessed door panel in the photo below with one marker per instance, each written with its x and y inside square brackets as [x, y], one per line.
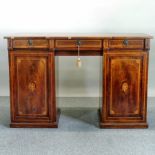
[125, 85]
[31, 86]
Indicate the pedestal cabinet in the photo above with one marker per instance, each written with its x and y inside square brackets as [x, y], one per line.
[32, 84]
[125, 77]
[125, 89]
[125, 74]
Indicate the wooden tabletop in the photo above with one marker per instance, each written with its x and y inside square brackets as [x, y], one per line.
[81, 35]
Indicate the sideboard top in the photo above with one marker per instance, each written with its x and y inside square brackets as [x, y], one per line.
[80, 35]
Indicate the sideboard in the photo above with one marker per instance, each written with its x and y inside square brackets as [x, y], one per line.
[124, 77]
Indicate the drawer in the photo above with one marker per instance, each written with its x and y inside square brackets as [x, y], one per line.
[126, 44]
[30, 43]
[83, 43]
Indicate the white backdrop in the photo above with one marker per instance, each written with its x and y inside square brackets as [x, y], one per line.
[75, 16]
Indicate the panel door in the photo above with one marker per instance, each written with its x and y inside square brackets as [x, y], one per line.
[31, 96]
[125, 86]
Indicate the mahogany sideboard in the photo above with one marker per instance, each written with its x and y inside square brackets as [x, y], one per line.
[124, 77]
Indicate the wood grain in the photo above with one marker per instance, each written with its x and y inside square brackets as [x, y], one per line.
[125, 84]
[35, 43]
[124, 73]
[32, 88]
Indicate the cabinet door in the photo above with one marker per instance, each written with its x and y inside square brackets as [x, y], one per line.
[125, 86]
[31, 96]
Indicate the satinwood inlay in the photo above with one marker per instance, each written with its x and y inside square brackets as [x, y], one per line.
[124, 82]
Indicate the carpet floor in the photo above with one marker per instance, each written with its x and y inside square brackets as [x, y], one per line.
[78, 134]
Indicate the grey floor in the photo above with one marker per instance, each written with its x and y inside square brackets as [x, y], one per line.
[78, 134]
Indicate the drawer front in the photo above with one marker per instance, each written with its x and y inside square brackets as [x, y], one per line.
[126, 44]
[30, 43]
[83, 43]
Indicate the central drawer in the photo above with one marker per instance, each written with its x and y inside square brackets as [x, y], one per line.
[83, 43]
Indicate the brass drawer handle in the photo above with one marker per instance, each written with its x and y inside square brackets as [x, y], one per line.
[78, 42]
[125, 42]
[30, 42]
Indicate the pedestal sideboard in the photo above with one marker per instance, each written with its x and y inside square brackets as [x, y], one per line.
[124, 82]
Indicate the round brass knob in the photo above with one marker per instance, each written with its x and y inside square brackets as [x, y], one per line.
[30, 42]
[125, 42]
[78, 42]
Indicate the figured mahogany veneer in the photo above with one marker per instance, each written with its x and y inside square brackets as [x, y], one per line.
[125, 74]
[83, 44]
[126, 44]
[30, 43]
[125, 86]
